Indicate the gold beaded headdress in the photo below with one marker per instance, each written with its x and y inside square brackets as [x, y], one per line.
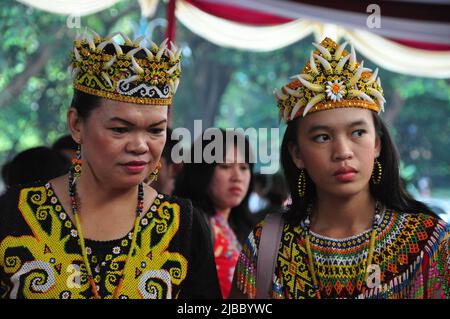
[125, 72]
[332, 79]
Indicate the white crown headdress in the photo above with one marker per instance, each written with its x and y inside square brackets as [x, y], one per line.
[126, 72]
[332, 79]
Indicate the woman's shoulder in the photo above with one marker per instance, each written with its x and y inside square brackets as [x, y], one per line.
[421, 225]
[12, 194]
[254, 237]
[173, 199]
[15, 198]
[187, 212]
[427, 219]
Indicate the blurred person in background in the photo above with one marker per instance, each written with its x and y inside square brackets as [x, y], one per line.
[5, 168]
[277, 195]
[258, 196]
[66, 146]
[221, 190]
[36, 164]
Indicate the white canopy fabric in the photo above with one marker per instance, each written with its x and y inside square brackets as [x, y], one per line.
[240, 36]
[400, 27]
[70, 7]
[384, 52]
[398, 58]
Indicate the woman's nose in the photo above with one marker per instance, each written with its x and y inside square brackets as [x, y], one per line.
[236, 174]
[342, 149]
[138, 145]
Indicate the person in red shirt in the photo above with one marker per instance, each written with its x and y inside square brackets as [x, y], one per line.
[221, 190]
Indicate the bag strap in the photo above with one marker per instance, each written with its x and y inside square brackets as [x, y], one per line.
[269, 244]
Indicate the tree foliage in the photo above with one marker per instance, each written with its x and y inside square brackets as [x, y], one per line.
[221, 86]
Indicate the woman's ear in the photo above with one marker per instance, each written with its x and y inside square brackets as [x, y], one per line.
[377, 146]
[296, 157]
[74, 123]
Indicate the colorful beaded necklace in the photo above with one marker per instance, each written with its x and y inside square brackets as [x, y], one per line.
[140, 205]
[368, 260]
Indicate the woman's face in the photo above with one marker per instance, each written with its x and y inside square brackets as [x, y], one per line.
[337, 148]
[230, 181]
[121, 142]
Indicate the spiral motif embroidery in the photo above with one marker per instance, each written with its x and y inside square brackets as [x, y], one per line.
[38, 198]
[12, 262]
[161, 227]
[43, 262]
[155, 284]
[175, 273]
[42, 213]
[39, 277]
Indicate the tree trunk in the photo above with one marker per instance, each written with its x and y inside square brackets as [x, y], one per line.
[210, 92]
[394, 108]
[35, 64]
[210, 83]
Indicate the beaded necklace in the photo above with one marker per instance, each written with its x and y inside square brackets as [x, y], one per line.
[368, 260]
[139, 207]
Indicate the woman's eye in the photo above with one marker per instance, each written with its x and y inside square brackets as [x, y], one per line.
[156, 130]
[358, 133]
[119, 129]
[245, 167]
[321, 138]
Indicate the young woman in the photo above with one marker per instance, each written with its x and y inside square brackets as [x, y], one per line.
[99, 231]
[352, 231]
[221, 190]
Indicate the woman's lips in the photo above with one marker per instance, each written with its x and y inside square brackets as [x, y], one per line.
[235, 190]
[345, 174]
[345, 177]
[135, 167]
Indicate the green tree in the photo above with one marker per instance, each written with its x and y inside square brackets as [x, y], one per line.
[221, 86]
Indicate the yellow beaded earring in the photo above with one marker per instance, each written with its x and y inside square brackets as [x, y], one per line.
[301, 183]
[76, 163]
[377, 172]
[154, 175]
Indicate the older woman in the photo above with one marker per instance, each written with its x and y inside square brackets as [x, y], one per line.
[99, 231]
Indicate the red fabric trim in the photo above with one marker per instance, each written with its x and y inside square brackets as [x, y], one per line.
[259, 18]
[422, 45]
[238, 14]
[419, 11]
[425, 266]
[171, 22]
[170, 34]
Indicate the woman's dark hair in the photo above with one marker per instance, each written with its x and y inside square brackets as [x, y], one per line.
[194, 179]
[85, 103]
[390, 191]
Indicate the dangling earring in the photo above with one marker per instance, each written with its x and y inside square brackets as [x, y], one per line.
[76, 163]
[302, 183]
[377, 172]
[154, 175]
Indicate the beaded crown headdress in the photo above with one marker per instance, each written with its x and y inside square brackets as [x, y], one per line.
[333, 78]
[127, 72]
